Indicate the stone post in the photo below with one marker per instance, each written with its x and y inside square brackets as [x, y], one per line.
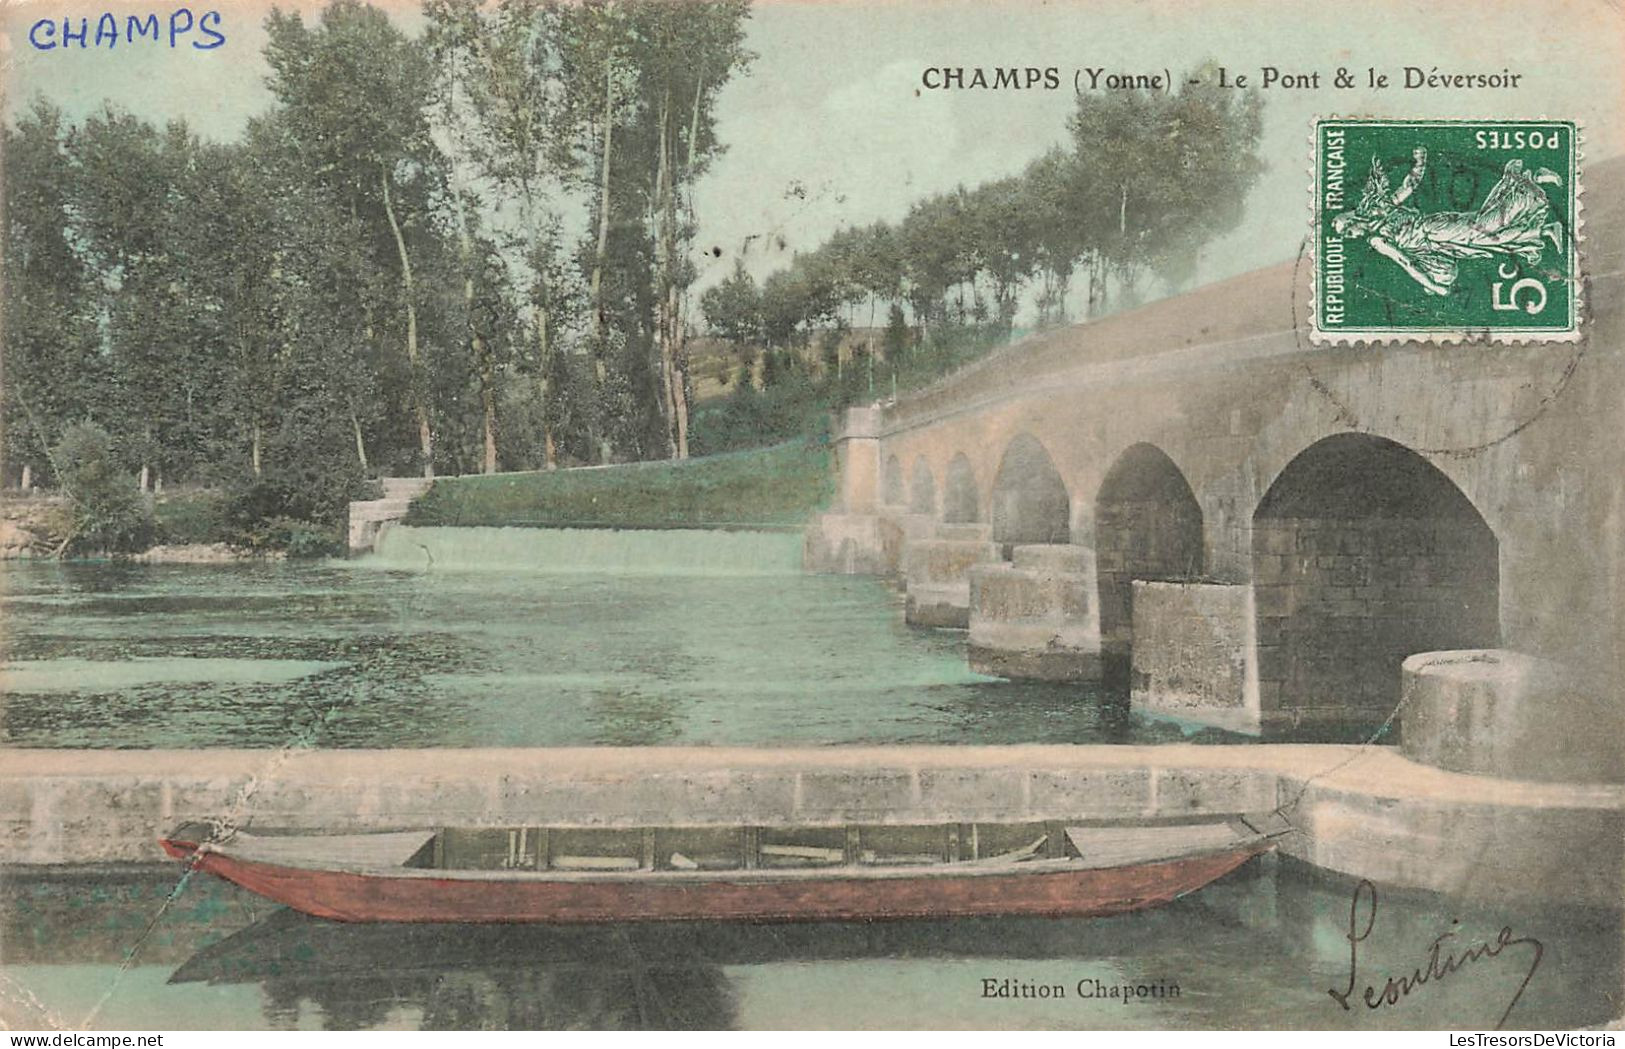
[857, 458]
[855, 538]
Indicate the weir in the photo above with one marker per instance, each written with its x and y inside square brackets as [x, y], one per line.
[661, 552]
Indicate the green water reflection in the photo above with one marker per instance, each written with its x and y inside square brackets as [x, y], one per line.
[1258, 949]
[600, 651]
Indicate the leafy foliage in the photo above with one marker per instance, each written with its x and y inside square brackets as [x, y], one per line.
[109, 515]
[1147, 180]
[374, 277]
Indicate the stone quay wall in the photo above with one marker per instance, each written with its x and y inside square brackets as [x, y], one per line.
[1365, 812]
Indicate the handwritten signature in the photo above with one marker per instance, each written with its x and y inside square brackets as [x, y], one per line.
[1439, 960]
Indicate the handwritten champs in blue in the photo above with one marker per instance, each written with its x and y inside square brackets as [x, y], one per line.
[44, 34]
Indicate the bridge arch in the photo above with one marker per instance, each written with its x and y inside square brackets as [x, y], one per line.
[922, 489]
[1148, 525]
[1030, 503]
[1363, 553]
[891, 487]
[961, 503]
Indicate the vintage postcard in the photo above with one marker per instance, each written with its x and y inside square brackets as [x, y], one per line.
[746, 514]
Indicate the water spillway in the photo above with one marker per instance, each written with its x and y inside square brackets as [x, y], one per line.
[640, 552]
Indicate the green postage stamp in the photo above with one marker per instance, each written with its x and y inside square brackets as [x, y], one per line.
[1446, 229]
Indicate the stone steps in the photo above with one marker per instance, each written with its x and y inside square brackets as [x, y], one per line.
[405, 487]
[385, 506]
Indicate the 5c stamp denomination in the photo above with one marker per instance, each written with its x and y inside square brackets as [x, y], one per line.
[1442, 230]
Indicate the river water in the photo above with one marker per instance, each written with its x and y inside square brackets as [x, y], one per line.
[461, 638]
[1262, 948]
[505, 637]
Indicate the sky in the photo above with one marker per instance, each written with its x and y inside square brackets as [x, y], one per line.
[832, 127]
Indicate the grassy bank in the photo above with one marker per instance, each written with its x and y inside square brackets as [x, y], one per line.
[777, 486]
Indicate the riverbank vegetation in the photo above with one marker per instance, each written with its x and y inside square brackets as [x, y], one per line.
[449, 252]
[1143, 182]
[470, 247]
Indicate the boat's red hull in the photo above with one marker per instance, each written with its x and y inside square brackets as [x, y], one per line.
[345, 896]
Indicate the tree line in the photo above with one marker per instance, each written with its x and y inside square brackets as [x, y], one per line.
[457, 251]
[472, 248]
[1144, 180]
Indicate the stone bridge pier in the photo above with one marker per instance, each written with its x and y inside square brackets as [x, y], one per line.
[1233, 526]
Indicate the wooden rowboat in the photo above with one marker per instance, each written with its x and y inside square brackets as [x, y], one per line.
[576, 874]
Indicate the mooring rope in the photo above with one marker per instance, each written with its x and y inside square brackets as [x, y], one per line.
[1282, 809]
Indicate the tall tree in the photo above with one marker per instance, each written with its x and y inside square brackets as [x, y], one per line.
[53, 370]
[495, 105]
[1155, 176]
[638, 86]
[1004, 235]
[598, 83]
[733, 312]
[685, 52]
[878, 272]
[124, 178]
[288, 268]
[1056, 236]
[354, 94]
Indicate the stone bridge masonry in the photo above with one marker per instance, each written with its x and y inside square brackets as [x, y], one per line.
[1240, 528]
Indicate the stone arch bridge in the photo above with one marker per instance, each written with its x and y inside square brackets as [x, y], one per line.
[1241, 528]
